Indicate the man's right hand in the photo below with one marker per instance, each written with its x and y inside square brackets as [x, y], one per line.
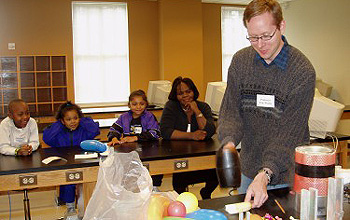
[229, 145]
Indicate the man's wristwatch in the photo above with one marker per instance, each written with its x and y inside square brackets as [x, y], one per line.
[268, 174]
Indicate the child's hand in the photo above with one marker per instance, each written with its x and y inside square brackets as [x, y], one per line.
[25, 150]
[199, 135]
[114, 141]
[129, 139]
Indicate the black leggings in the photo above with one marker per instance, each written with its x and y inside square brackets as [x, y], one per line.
[157, 179]
[182, 180]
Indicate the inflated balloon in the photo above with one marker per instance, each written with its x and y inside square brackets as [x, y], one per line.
[157, 207]
[189, 200]
[176, 218]
[177, 208]
[204, 214]
[93, 145]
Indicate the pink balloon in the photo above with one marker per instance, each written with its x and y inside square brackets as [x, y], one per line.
[177, 208]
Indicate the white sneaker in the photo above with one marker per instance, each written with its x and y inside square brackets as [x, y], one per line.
[155, 189]
[71, 214]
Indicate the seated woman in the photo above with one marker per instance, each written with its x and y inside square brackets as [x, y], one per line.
[184, 117]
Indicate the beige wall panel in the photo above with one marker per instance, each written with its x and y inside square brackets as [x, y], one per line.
[143, 41]
[45, 27]
[321, 30]
[181, 40]
[211, 44]
[38, 27]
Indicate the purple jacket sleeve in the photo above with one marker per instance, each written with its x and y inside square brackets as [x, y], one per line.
[51, 132]
[90, 128]
[150, 128]
[116, 130]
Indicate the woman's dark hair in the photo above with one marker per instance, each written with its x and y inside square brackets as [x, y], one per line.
[188, 82]
[139, 92]
[66, 107]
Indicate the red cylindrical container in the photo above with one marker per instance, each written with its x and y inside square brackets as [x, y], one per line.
[313, 166]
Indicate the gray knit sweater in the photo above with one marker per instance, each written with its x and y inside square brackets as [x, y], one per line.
[268, 136]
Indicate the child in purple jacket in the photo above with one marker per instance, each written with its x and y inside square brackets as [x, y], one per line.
[135, 125]
[69, 130]
[71, 127]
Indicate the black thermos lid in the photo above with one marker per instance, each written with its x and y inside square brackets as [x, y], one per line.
[228, 167]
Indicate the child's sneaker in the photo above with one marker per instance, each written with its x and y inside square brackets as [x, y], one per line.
[59, 202]
[71, 214]
[155, 189]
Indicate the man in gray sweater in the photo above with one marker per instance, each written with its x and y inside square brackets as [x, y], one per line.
[267, 102]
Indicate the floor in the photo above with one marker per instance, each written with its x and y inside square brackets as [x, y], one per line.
[43, 206]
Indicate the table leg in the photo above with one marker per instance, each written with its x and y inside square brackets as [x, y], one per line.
[88, 189]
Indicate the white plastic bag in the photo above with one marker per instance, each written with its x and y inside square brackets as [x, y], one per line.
[122, 190]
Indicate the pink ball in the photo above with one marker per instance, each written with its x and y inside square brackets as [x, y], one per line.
[177, 208]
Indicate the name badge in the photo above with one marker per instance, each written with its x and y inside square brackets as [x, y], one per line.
[20, 139]
[138, 130]
[267, 101]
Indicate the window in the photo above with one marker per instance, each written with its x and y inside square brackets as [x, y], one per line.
[233, 35]
[100, 53]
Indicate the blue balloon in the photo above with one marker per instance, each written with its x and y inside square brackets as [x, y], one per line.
[205, 214]
[93, 145]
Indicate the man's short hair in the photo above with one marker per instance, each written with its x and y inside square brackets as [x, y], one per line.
[14, 102]
[258, 7]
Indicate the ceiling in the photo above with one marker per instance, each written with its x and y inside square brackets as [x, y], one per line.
[238, 2]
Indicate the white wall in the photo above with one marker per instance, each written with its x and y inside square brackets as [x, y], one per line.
[321, 30]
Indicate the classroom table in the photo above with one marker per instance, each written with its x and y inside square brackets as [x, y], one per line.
[161, 157]
[283, 196]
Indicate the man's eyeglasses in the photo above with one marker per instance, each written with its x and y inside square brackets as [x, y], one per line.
[263, 37]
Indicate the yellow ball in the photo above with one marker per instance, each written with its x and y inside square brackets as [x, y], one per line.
[189, 200]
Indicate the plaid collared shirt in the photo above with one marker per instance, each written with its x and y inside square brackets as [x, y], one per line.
[281, 59]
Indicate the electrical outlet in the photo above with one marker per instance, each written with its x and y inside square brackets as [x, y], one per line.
[180, 164]
[11, 46]
[72, 176]
[146, 165]
[28, 180]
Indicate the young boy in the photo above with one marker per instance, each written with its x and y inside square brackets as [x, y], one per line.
[18, 131]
